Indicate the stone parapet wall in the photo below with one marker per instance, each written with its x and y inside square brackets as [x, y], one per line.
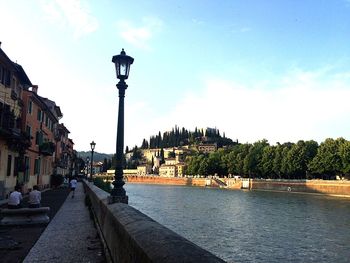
[131, 236]
[306, 186]
[233, 183]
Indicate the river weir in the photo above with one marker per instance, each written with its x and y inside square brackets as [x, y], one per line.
[251, 226]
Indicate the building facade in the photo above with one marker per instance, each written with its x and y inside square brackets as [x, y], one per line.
[39, 122]
[13, 141]
[32, 142]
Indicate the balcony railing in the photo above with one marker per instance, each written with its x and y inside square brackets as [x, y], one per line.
[7, 120]
[47, 148]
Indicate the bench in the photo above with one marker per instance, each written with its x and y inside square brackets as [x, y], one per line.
[24, 216]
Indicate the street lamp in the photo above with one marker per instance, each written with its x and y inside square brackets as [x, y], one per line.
[92, 144]
[122, 67]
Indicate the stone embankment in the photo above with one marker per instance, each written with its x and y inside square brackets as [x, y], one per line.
[131, 236]
[332, 187]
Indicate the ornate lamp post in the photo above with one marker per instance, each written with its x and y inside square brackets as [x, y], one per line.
[122, 66]
[92, 144]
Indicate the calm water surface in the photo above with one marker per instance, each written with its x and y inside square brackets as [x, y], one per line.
[251, 226]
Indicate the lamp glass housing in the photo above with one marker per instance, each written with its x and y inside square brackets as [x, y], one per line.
[92, 144]
[122, 65]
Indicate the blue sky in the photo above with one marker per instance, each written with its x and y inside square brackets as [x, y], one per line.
[278, 70]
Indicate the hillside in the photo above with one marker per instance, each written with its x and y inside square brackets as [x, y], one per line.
[98, 157]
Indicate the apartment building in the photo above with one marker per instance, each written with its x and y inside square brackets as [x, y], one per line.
[32, 142]
[13, 142]
[39, 122]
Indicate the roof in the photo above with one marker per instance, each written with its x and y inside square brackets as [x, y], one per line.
[41, 102]
[22, 75]
[53, 107]
[61, 126]
[6, 60]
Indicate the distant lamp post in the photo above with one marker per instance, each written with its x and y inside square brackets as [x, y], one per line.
[122, 67]
[92, 144]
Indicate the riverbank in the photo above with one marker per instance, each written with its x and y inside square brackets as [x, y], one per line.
[324, 187]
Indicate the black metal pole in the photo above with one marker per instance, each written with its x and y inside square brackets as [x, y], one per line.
[118, 193]
[92, 161]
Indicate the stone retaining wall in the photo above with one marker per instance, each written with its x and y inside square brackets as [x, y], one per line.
[166, 180]
[131, 236]
[341, 188]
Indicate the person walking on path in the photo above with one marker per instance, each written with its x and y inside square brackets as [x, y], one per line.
[15, 198]
[73, 185]
[34, 197]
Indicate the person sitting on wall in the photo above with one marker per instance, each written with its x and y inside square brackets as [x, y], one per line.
[34, 197]
[15, 198]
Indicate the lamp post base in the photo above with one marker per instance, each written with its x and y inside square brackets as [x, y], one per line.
[118, 199]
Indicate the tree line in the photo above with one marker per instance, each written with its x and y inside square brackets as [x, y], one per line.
[301, 160]
[180, 137]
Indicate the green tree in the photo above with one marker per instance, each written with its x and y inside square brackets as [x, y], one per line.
[285, 169]
[344, 152]
[277, 161]
[203, 166]
[328, 161]
[253, 159]
[267, 161]
[162, 160]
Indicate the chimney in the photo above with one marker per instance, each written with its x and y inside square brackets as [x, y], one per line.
[0, 44]
[35, 89]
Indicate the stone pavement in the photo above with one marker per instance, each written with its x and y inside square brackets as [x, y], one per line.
[16, 241]
[70, 236]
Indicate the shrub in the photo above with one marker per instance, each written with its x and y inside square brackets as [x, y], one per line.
[56, 180]
[106, 186]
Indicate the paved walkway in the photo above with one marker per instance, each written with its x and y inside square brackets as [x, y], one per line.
[70, 236]
[16, 241]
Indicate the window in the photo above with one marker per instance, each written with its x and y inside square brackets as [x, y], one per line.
[16, 166]
[14, 83]
[40, 115]
[47, 121]
[38, 138]
[30, 107]
[9, 163]
[26, 168]
[37, 167]
[5, 76]
[1, 73]
[29, 130]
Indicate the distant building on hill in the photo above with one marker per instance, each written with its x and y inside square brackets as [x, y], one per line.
[207, 148]
[167, 170]
[144, 169]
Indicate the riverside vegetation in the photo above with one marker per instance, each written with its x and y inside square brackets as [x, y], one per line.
[301, 160]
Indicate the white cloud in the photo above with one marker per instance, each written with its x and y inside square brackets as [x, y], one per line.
[73, 13]
[245, 29]
[307, 105]
[240, 29]
[139, 36]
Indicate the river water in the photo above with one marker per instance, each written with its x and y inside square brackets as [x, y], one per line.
[251, 226]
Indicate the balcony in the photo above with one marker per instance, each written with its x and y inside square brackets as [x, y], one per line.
[62, 163]
[13, 95]
[47, 148]
[7, 121]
